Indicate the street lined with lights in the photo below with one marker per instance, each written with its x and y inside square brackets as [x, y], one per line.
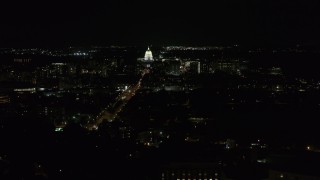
[118, 105]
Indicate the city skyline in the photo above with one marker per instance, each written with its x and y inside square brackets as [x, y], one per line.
[160, 90]
[196, 112]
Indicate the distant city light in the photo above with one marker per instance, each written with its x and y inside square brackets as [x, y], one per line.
[59, 129]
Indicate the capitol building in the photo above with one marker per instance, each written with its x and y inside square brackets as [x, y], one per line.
[148, 57]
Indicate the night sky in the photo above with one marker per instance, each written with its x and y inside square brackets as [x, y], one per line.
[165, 22]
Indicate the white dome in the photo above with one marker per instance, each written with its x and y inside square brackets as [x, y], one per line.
[148, 55]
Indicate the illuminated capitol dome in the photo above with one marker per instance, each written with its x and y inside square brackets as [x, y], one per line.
[148, 55]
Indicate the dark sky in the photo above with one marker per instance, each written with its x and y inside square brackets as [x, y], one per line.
[170, 22]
